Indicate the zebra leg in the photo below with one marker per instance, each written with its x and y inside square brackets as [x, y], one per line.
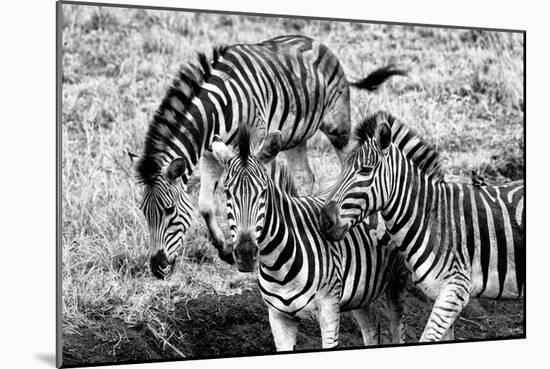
[448, 305]
[395, 301]
[337, 124]
[329, 321]
[450, 334]
[284, 330]
[366, 318]
[211, 171]
[299, 166]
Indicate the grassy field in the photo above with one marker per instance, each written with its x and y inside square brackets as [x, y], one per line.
[464, 94]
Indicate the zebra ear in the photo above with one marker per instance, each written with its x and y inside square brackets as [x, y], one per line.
[273, 143]
[174, 170]
[382, 135]
[221, 151]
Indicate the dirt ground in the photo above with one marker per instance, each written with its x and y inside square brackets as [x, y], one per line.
[220, 326]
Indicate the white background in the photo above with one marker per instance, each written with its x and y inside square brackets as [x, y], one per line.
[27, 196]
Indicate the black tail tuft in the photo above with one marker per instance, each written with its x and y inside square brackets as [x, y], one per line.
[376, 78]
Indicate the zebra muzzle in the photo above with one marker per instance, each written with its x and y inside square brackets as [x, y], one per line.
[330, 224]
[245, 254]
[161, 266]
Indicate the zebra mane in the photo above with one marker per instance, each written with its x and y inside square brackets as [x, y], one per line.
[185, 86]
[407, 140]
[243, 142]
[277, 169]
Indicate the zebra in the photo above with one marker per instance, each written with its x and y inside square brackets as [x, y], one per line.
[301, 275]
[289, 83]
[458, 240]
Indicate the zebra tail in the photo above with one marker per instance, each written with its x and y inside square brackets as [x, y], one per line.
[376, 78]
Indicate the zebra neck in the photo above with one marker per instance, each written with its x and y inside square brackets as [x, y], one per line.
[413, 199]
[279, 248]
[186, 132]
[277, 204]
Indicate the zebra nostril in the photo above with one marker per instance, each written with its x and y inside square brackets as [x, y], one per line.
[161, 267]
[159, 273]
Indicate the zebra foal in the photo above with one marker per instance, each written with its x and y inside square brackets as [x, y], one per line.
[301, 275]
[458, 240]
[290, 83]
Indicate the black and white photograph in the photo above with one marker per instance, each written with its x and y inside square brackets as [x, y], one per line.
[239, 184]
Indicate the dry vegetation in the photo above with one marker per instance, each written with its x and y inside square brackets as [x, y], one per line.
[464, 93]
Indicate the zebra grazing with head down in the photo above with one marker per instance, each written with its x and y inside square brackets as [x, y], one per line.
[292, 84]
[300, 273]
[458, 240]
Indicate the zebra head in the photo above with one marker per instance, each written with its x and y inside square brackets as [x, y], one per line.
[363, 185]
[246, 189]
[167, 208]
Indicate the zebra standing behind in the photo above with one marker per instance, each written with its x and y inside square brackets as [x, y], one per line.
[291, 83]
[300, 273]
[458, 240]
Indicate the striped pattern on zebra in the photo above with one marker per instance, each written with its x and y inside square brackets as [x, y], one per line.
[301, 275]
[458, 240]
[291, 83]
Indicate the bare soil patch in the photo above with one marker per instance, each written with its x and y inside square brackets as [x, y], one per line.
[219, 326]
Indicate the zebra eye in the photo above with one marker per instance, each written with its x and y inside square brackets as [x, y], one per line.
[170, 209]
[365, 170]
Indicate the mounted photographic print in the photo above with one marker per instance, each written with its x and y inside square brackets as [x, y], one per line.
[241, 184]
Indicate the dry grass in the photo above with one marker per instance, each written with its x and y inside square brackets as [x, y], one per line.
[464, 93]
